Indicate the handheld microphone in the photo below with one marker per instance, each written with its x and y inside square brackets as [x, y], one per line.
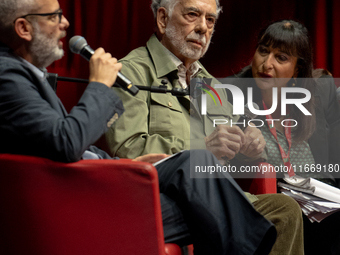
[247, 116]
[79, 45]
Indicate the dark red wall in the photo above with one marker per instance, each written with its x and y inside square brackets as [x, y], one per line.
[119, 26]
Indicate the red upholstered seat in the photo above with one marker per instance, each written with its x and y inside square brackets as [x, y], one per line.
[88, 207]
[263, 183]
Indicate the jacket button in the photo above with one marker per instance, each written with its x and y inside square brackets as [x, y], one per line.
[170, 104]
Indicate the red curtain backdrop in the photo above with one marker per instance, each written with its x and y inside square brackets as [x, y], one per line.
[120, 26]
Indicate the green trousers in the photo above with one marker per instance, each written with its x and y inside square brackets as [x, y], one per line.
[286, 214]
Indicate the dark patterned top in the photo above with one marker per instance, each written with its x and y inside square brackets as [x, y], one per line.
[301, 156]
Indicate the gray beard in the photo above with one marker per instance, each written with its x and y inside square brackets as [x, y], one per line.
[44, 50]
[176, 38]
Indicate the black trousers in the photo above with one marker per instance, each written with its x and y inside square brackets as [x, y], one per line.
[212, 213]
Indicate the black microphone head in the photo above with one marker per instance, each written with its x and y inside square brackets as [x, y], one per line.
[249, 113]
[77, 43]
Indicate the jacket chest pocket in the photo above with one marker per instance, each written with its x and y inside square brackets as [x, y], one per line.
[166, 115]
[217, 115]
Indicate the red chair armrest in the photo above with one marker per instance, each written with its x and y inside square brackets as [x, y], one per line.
[87, 207]
[264, 183]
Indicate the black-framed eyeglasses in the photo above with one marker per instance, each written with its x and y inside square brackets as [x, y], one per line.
[58, 12]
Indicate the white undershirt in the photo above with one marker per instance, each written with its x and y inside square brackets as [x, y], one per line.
[182, 70]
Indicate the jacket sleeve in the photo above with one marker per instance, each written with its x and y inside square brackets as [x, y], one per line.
[133, 134]
[332, 113]
[32, 120]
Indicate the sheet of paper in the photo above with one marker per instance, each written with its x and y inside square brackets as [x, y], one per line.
[327, 204]
[165, 159]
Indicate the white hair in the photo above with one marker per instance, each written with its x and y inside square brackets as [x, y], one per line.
[170, 4]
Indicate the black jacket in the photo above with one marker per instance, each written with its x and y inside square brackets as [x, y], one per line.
[33, 120]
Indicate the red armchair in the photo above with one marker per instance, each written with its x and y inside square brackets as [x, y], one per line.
[87, 207]
[263, 183]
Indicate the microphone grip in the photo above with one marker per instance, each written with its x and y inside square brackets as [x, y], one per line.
[86, 52]
[126, 84]
[123, 82]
